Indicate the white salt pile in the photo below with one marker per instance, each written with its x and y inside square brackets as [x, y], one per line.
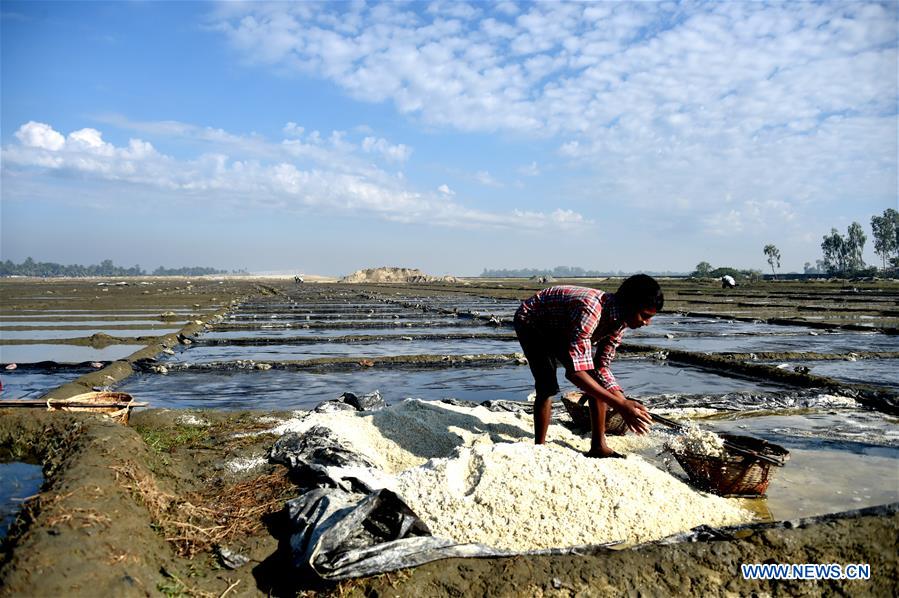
[693, 440]
[243, 464]
[526, 497]
[475, 476]
[409, 433]
[189, 419]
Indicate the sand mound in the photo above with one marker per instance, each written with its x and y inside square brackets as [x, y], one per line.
[387, 274]
[475, 476]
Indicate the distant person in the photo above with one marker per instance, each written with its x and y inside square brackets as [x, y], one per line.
[728, 282]
[561, 325]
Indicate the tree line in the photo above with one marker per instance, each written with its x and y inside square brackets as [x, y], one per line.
[705, 270]
[842, 254]
[560, 272]
[105, 268]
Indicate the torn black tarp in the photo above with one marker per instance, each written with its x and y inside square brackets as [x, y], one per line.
[345, 534]
[349, 401]
[318, 458]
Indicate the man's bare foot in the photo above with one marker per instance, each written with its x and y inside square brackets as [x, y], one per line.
[603, 454]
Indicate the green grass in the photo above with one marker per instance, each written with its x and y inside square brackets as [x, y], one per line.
[167, 439]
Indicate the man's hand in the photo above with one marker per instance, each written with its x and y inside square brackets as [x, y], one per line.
[635, 416]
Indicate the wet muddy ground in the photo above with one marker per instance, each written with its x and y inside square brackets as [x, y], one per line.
[806, 365]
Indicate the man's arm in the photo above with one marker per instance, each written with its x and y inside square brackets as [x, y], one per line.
[635, 414]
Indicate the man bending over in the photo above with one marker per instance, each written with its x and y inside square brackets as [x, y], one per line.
[561, 325]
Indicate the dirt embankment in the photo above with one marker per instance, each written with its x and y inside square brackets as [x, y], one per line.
[85, 534]
[687, 569]
[142, 510]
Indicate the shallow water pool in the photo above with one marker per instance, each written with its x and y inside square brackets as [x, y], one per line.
[283, 389]
[841, 342]
[63, 353]
[18, 481]
[21, 383]
[880, 372]
[827, 471]
[294, 332]
[57, 334]
[201, 354]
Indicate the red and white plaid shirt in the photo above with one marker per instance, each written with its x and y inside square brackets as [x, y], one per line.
[578, 317]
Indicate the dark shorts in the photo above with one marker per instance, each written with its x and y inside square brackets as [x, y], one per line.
[544, 357]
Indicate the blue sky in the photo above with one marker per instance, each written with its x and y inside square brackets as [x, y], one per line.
[448, 136]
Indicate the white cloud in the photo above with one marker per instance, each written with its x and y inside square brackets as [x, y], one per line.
[529, 170]
[292, 129]
[41, 136]
[319, 173]
[484, 178]
[89, 141]
[393, 153]
[771, 103]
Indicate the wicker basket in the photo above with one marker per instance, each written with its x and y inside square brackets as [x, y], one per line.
[123, 402]
[734, 474]
[580, 415]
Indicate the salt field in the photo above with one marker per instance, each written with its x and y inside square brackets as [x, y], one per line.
[285, 389]
[24, 383]
[15, 335]
[224, 384]
[63, 353]
[837, 342]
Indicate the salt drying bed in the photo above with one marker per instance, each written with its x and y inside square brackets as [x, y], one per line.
[284, 389]
[838, 342]
[398, 330]
[68, 333]
[677, 325]
[300, 319]
[201, 354]
[63, 353]
[74, 324]
[343, 321]
[22, 383]
[879, 372]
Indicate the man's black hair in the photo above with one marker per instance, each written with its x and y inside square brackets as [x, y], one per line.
[640, 292]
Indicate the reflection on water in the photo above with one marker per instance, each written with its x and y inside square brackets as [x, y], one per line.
[200, 354]
[826, 476]
[682, 325]
[822, 476]
[19, 324]
[18, 481]
[19, 384]
[842, 342]
[882, 372]
[63, 353]
[280, 389]
[56, 334]
[297, 332]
